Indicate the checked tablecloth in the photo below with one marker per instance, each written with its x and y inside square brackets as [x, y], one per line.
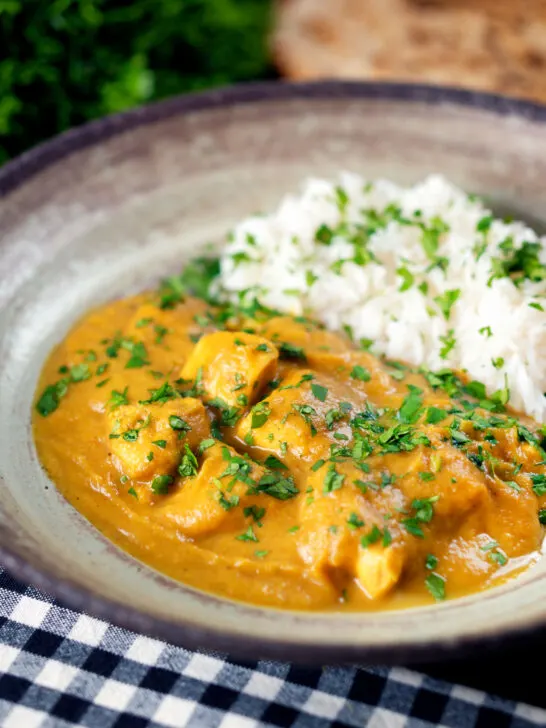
[60, 668]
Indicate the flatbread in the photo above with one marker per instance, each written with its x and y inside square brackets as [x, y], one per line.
[491, 45]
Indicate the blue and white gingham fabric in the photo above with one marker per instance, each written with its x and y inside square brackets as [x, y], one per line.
[60, 668]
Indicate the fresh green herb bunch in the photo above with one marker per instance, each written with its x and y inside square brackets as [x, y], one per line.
[65, 61]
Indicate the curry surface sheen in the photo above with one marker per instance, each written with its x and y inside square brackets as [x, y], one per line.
[262, 458]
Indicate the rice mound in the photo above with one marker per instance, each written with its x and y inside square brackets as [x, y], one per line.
[426, 272]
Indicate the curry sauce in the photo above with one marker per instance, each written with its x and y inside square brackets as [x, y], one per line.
[263, 458]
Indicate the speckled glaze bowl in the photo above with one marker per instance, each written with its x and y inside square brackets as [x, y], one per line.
[105, 209]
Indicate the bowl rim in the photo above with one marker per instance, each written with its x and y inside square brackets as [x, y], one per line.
[15, 173]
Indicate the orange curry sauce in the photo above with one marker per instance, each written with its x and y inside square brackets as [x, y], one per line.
[265, 459]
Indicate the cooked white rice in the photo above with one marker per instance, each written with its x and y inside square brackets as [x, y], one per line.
[495, 329]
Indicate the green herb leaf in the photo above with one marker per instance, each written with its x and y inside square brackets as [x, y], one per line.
[248, 535]
[161, 483]
[411, 406]
[291, 351]
[177, 423]
[431, 562]
[188, 466]
[435, 415]
[354, 521]
[274, 463]
[360, 373]
[277, 486]
[80, 372]
[333, 480]
[260, 414]
[319, 391]
[372, 537]
[436, 585]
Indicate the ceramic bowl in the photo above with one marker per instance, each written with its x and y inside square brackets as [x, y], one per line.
[107, 208]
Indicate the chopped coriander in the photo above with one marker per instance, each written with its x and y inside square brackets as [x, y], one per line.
[426, 476]
[354, 521]
[372, 537]
[50, 397]
[310, 278]
[205, 444]
[333, 529]
[188, 466]
[411, 406]
[130, 435]
[333, 480]
[483, 225]
[117, 399]
[248, 535]
[150, 456]
[408, 279]
[165, 393]
[139, 356]
[133, 492]
[255, 513]
[306, 412]
[361, 485]
[498, 362]
[499, 558]
[539, 483]
[274, 463]
[387, 538]
[431, 562]
[542, 516]
[324, 235]
[262, 347]
[316, 466]
[260, 554]
[80, 372]
[319, 391]
[435, 415]
[260, 414]
[228, 502]
[360, 373]
[161, 483]
[291, 351]
[536, 305]
[486, 331]
[436, 585]
[124, 479]
[448, 343]
[332, 416]
[177, 423]
[293, 529]
[277, 486]
[160, 443]
[447, 300]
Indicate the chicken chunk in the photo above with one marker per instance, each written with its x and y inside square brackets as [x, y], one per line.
[302, 413]
[379, 568]
[214, 499]
[148, 439]
[233, 367]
